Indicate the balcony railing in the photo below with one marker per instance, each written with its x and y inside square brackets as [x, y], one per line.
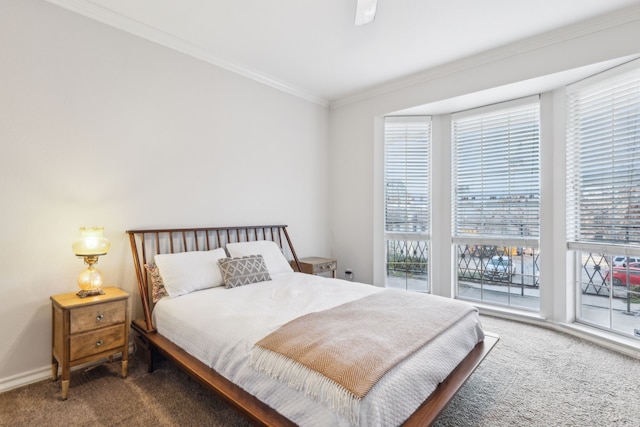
[499, 275]
[609, 292]
[408, 264]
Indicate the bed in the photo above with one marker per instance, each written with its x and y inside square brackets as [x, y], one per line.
[219, 335]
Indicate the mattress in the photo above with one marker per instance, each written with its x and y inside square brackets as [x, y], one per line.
[220, 326]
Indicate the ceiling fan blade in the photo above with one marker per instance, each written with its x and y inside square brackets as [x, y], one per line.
[365, 11]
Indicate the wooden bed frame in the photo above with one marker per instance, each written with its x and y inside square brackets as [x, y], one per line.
[147, 243]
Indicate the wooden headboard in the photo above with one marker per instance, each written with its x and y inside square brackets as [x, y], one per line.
[145, 244]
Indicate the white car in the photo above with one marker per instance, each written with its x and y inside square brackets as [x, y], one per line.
[499, 267]
[623, 261]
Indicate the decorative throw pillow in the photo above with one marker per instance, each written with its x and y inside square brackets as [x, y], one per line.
[158, 290]
[243, 270]
[270, 251]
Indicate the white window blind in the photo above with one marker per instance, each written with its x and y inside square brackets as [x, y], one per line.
[407, 174]
[603, 158]
[496, 164]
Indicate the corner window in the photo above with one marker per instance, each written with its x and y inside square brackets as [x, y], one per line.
[603, 197]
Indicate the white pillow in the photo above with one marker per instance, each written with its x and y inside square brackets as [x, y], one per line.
[185, 272]
[270, 251]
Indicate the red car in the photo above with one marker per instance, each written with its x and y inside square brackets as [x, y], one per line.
[620, 275]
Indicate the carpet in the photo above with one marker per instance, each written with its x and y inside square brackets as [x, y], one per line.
[539, 377]
[533, 377]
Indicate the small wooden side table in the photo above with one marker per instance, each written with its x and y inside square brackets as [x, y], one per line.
[88, 329]
[317, 265]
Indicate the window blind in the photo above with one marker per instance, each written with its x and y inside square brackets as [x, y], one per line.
[603, 158]
[496, 164]
[407, 174]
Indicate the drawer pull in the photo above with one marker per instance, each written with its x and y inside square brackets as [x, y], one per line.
[98, 343]
[99, 317]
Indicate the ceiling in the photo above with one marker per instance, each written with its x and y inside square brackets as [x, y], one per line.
[312, 48]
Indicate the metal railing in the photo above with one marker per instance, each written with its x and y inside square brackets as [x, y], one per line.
[407, 264]
[499, 265]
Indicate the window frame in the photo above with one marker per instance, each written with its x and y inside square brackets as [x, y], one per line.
[419, 240]
[580, 244]
[462, 240]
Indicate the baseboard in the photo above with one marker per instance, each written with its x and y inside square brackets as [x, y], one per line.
[609, 340]
[39, 374]
[25, 378]
[627, 346]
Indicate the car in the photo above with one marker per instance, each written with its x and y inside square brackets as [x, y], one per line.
[620, 275]
[499, 267]
[622, 260]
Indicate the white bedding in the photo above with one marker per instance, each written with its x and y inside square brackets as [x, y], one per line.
[220, 327]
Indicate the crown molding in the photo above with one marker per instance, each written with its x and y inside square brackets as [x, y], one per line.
[121, 22]
[550, 38]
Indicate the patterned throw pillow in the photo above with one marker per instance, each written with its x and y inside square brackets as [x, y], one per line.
[158, 290]
[243, 270]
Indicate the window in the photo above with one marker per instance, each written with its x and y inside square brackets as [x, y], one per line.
[496, 208]
[603, 197]
[407, 202]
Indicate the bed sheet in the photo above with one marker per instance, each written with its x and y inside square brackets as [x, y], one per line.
[220, 327]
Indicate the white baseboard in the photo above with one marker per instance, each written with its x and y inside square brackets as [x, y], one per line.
[609, 340]
[39, 374]
[25, 378]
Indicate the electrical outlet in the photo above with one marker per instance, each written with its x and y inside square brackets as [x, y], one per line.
[636, 332]
[348, 274]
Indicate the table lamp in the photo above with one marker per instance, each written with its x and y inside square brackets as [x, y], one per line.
[90, 245]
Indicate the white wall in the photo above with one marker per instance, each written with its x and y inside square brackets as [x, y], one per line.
[98, 127]
[355, 147]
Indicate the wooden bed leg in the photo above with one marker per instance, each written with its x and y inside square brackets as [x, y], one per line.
[148, 358]
[148, 353]
[142, 342]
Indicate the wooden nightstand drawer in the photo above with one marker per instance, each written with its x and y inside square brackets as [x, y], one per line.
[317, 265]
[325, 266]
[97, 316]
[90, 343]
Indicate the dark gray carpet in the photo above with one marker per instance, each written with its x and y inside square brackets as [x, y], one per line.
[533, 377]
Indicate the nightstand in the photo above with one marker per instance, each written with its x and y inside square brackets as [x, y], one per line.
[88, 329]
[317, 265]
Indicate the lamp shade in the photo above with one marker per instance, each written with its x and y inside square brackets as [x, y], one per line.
[91, 242]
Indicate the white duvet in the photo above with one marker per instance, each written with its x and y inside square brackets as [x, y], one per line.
[220, 327]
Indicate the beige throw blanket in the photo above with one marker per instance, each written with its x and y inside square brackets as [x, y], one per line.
[338, 355]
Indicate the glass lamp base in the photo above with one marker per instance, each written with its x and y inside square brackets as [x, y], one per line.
[90, 280]
[89, 293]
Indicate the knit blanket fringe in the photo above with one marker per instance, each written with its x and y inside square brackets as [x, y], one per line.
[308, 381]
